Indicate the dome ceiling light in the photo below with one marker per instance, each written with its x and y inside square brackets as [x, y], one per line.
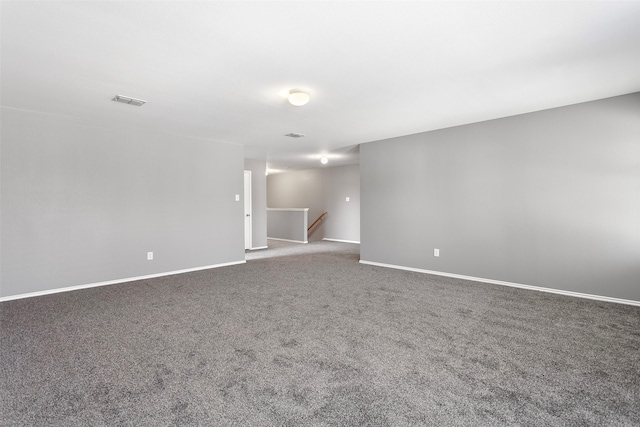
[298, 97]
[324, 160]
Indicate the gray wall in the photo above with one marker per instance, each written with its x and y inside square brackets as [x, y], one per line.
[323, 189]
[258, 170]
[83, 204]
[288, 224]
[548, 199]
[343, 222]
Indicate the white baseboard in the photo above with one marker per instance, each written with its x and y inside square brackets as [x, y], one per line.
[502, 283]
[341, 241]
[287, 240]
[258, 247]
[113, 282]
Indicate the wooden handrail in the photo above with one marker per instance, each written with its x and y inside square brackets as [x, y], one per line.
[316, 221]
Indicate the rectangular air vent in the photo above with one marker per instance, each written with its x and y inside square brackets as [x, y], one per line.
[128, 100]
[294, 135]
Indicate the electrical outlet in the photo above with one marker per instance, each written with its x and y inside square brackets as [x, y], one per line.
[347, 199]
[149, 256]
[436, 252]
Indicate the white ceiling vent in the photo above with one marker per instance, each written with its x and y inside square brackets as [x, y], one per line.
[128, 100]
[295, 135]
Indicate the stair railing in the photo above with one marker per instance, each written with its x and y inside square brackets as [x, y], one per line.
[316, 221]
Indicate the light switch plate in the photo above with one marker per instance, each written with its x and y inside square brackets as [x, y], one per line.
[237, 197]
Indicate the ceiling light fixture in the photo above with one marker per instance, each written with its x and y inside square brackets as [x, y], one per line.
[128, 100]
[298, 98]
[324, 160]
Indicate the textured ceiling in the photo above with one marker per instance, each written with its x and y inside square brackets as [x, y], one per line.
[375, 70]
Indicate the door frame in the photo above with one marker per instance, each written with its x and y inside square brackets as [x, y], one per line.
[248, 208]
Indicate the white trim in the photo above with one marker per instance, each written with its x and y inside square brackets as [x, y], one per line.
[289, 209]
[342, 241]
[287, 240]
[259, 247]
[250, 237]
[514, 285]
[113, 282]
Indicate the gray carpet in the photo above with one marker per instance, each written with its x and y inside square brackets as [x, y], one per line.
[304, 335]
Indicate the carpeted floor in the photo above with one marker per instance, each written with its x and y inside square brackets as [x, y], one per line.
[305, 335]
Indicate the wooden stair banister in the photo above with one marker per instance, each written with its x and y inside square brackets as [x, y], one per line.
[316, 221]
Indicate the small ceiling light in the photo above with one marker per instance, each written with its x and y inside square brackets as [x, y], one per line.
[298, 98]
[324, 160]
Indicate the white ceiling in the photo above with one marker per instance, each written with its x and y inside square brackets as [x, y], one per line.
[375, 70]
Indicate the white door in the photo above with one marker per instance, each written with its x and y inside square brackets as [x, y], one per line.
[247, 209]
